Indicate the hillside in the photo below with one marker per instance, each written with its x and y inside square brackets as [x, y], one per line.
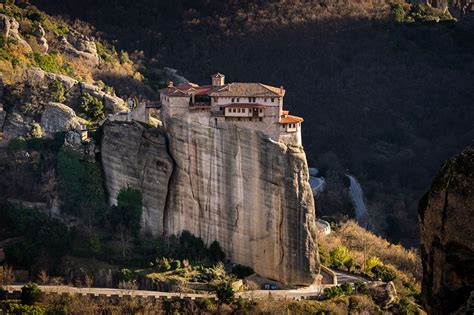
[387, 101]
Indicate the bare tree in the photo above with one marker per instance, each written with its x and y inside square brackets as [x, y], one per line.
[43, 277]
[89, 281]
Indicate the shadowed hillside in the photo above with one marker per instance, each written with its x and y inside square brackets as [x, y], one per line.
[388, 101]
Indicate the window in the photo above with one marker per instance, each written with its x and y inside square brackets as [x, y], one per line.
[238, 99]
[215, 98]
[250, 99]
[261, 110]
[272, 99]
[254, 99]
[221, 108]
[265, 99]
[232, 100]
[260, 119]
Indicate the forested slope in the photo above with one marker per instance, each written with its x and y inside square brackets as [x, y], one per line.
[387, 101]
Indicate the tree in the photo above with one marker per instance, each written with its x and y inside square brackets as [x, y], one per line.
[349, 264]
[372, 262]
[57, 91]
[225, 292]
[92, 108]
[346, 287]
[215, 252]
[339, 255]
[81, 190]
[30, 294]
[385, 273]
[126, 216]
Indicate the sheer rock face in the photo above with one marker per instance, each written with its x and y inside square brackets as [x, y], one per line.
[228, 184]
[447, 236]
[134, 156]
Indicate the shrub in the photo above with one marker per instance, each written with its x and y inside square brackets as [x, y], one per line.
[37, 131]
[207, 304]
[242, 271]
[225, 292]
[324, 255]
[57, 91]
[398, 12]
[215, 252]
[123, 57]
[333, 292]
[371, 263]
[349, 264]
[175, 264]
[126, 275]
[92, 108]
[51, 63]
[346, 288]
[81, 190]
[95, 244]
[405, 306]
[360, 287]
[16, 145]
[339, 255]
[30, 294]
[385, 273]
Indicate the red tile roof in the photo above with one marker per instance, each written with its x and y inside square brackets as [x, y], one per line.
[289, 119]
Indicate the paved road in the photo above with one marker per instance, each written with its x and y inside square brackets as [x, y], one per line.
[343, 277]
[357, 196]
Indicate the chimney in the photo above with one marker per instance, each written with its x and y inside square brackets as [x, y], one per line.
[281, 89]
[218, 79]
[170, 84]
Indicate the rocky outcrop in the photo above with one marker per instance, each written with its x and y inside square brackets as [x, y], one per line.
[42, 41]
[229, 184]
[80, 46]
[135, 156]
[447, 236]
[9, 29]
[31, 99]
[58, 117]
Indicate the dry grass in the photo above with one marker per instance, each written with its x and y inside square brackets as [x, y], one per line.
[364, 244]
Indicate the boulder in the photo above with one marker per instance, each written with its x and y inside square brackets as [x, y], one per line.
[58, 117]
[447, 236]
[9, 29]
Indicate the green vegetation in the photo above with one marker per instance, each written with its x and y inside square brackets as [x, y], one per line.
[339, 256]
[52, 62]
[106, 51]
[81, 190]
[419, 12]
[13, 307]
[127, 214]
[215, 252]
[57, 91]
[92, 108]
[42, 236]
[17, 145]
[225, 292]
[242, 271]
[406, 307]
[30, 294]
[36, 131]
[384, 273]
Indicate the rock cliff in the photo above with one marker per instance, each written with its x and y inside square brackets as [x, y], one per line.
[135, 156]
[447, 236]
[221, 183]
